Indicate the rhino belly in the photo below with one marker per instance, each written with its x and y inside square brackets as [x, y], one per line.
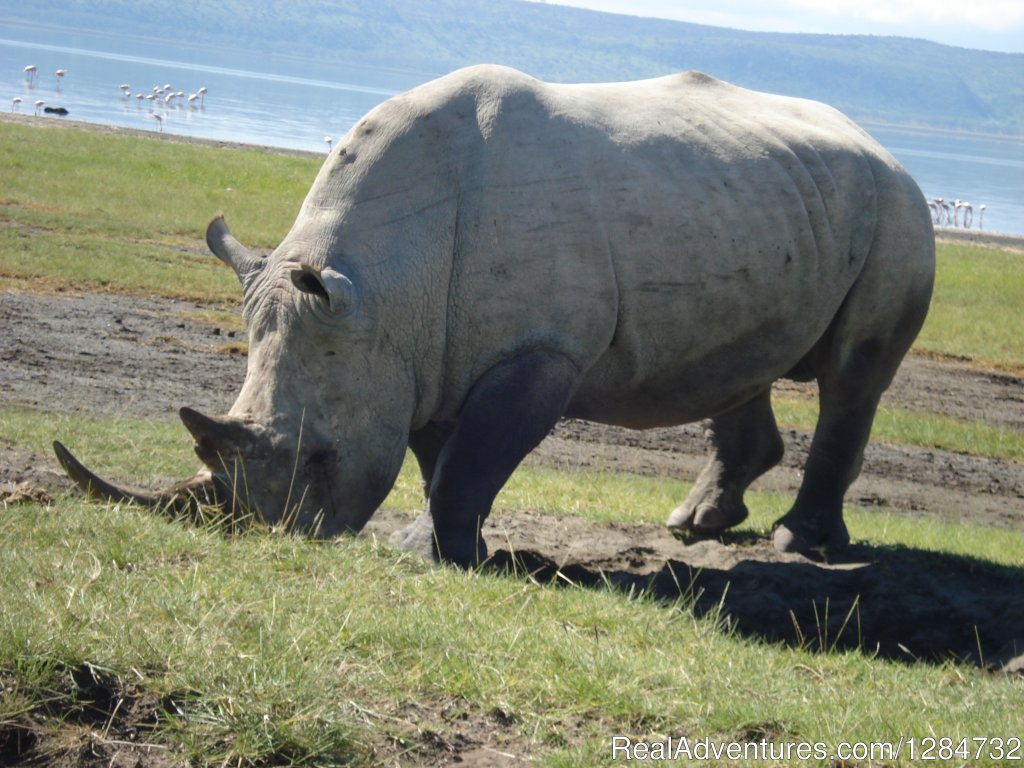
[684, 352]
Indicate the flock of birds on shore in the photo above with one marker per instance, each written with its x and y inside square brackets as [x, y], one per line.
[958, 213]
[30, 80]
[159, 95]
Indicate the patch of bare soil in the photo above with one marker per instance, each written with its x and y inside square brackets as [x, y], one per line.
[113, 355]
[90, 720]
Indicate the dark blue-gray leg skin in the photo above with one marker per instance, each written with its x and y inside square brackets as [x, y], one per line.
[814, 526]
[506, 415]
[745, 443]
[850, 387]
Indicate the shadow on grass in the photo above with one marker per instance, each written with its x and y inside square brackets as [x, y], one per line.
[893, 602]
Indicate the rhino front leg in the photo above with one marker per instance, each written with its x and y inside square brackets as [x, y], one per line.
[745, 443]
[506, 415]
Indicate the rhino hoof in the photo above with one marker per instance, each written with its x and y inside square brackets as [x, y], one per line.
[815, 547]
[705, 520]
[416, 537]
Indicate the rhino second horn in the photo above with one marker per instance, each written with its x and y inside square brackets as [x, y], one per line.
[215, 429]
[181, 497]
[226, 248]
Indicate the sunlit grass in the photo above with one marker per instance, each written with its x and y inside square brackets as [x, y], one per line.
[85, 210]
[977, 306]
[279, 650]
[137, 451]
[904, 426]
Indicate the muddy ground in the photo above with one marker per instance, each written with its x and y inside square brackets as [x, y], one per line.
[113, 355]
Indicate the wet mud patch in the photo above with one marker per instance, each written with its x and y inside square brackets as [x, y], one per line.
[88, 719]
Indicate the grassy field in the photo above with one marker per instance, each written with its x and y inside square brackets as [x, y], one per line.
[260, 649]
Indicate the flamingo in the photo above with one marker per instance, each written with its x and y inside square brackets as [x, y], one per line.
[981, 216]
[159, 121]
[956, 212]
[39, 105]
[968, 210]
[60, 75]
[30, 74]
[202, 95]
[15, 103]
[327, 140]
[945, 211]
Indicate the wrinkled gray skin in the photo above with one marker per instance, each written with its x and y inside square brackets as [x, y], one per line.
[487, 253]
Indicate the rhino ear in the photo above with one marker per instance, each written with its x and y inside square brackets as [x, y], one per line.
[226, 248]
[329, 285]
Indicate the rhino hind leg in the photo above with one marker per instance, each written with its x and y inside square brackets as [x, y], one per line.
[745, 443]
[507, 413]
[854, 367]
[814, 525]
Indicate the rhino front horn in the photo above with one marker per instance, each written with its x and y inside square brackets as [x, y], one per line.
[182, 497]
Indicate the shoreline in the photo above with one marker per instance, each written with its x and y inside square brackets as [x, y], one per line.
[982, 238]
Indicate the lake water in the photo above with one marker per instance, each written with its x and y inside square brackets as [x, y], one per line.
[295, 104]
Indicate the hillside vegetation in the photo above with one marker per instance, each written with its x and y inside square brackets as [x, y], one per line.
[875, 79]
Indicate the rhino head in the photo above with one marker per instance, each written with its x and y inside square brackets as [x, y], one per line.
[318, 433]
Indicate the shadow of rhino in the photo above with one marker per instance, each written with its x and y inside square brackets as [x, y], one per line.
[892, 602]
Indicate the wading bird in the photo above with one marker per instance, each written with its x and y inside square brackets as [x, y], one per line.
[15, 103]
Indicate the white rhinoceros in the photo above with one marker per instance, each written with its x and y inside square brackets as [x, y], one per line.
[487, 253]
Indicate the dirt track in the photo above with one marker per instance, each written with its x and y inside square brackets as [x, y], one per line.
[110, 355]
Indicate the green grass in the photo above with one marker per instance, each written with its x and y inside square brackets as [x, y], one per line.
[924, 429]
[137, 450]
[277, 650]
[85, 210]
[977, 306]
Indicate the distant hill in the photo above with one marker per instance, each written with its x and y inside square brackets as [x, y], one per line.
[900, 81]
